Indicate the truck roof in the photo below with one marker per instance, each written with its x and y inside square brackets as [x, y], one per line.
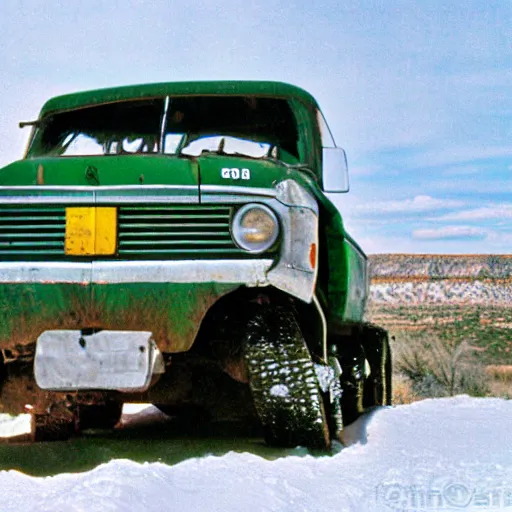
[128, 92]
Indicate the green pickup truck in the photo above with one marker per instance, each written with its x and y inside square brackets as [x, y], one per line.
[173, 243]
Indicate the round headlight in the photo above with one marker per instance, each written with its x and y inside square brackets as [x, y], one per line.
[255, 228]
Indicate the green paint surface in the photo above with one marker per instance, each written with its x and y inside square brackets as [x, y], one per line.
[26, 310]
[154, 169]
[172, 311]
[264, 173]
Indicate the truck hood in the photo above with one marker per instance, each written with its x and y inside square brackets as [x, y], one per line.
[202, 175]
[102, 171]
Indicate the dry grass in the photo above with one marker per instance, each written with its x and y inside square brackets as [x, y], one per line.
[500, 379]
[437, 367]
[426, 366]
[403, 392]
[500, 372]
[500, 389]
[451, 322]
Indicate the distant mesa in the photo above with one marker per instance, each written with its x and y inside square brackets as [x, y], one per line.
[433, 266]
[437, 279]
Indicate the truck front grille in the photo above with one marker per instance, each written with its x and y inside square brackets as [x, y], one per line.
[164, 232]
[169, 232]
[28, 232]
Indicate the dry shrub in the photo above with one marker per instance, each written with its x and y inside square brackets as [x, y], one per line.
[403, 392]
[438, 367]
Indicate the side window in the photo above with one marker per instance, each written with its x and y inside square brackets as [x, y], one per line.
[172, 142]
[77, 144]
[327, 138]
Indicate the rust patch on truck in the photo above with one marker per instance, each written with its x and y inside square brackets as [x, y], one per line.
[172, 312]
[40, 175]
[37, 312]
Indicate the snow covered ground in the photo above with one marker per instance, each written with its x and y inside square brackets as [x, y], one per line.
[444, 454]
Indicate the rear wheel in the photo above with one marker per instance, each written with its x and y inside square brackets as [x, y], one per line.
[47, 428]
[58, 424]
[65, 420]
[101, 416]
[377, 388]
[350, 355]
[283, 380]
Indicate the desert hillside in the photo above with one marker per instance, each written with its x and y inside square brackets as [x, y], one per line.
[432, 266]
[435, 279]
[453, 301]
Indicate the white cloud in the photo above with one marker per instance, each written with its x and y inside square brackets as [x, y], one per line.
[491, 242]
[418, 204]
[493, 212]
[450, 233]
[475, 187]
[457, 155]
[501, 240]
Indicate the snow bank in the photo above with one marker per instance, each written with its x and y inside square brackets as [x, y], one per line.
[14, 425]
[444, 454]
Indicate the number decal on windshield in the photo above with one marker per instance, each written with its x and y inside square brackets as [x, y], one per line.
[234, 173]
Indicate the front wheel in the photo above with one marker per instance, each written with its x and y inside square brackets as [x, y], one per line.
[283, 380]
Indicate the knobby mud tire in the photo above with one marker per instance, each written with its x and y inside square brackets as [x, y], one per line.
[377, 389]
[388, 374]
[350, 355]
[283, 381]
[333, 400]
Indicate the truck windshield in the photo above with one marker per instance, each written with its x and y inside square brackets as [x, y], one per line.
[255, 127]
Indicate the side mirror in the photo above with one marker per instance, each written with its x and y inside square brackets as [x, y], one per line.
[334, 170]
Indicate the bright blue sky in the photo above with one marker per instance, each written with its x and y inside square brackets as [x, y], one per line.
[419, 93]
